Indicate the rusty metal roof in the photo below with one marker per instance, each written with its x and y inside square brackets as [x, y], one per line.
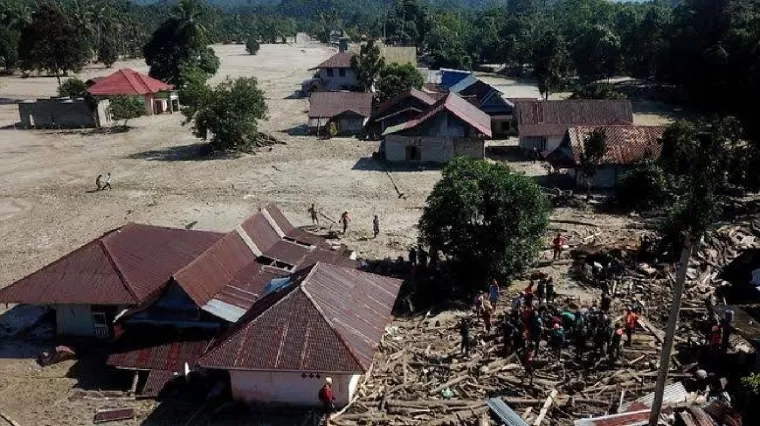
[208, 274]
[625, 144]
[330, 319]
[279, 218]
[332, 104]
[288, 252]
[123, 267]
[151, 349]
[338, 60]
[260, 231]
[553, 118]
[636, 418]
[457, 106]
[673, 393]
[411, 95]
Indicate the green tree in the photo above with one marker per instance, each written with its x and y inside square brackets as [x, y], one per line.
[647, 187]
[594, 148]
[180, 41]
[597, 91]
[53, 42]
[9, 39]
[72, 87]
[193, 89]
[228, 115]
[395, 78]
[126, 108]
[595, 53]
[486, 218]
[252, 45]
[550, 62]
[367, 65]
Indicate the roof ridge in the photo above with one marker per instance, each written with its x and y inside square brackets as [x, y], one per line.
[327, 320]
[117, 269]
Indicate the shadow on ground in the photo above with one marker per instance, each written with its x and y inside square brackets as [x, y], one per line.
[509, 153]
[299, 130]
[193, 152]
[371, 164]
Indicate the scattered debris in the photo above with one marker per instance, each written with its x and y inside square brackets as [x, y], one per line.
[54, 356]
[105, 416]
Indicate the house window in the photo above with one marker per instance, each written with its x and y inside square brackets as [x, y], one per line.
[329, 72]
[342, 72]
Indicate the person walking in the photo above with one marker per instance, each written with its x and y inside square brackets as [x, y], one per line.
[413, 256]
[344, 219]
[478, 304]
[375, 226]
[99, 182]
[541, 291]
[558, 340]
[558, 244]
[487, 314]
[530, 354]
[613, 351]
[464, 331]
[327, 398]
[630, 324]
[107, 184]
[314, 216]
[493, 293]
[550, 292]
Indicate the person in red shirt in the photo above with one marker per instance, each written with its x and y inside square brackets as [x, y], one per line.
[557, 244]
[630, 324]
[328, 399]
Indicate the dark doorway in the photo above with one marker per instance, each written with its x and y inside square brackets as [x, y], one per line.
[413, 153]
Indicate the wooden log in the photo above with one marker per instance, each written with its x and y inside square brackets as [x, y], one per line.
[545, 408]
[449, 384]
[458, 416]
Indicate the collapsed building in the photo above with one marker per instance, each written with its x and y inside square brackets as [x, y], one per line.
[266, 302]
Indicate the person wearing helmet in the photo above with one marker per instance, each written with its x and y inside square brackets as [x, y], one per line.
[327, 398]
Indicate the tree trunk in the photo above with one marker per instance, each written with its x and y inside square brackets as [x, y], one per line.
[667, 345]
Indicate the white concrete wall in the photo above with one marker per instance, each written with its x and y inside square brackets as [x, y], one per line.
[352, 125]
[289, 387]
[74, 320]
[436, 150]
[336, 82]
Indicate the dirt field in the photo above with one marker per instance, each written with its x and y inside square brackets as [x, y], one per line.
[48, 207]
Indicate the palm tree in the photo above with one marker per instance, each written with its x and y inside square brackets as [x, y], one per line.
[189, 14]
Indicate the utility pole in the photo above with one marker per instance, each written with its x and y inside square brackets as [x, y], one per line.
[667, 346]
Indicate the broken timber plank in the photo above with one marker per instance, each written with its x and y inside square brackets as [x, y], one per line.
[105, 416]
[449, 384]
[545, 408]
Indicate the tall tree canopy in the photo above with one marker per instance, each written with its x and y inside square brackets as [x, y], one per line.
[368, 64]
[53, 42]
[395, 78]
[180, 41]
[487, 218]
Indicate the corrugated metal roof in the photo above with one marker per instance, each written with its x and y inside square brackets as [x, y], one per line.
[285, 251]
[625, 144]
[723, 413]
[152, 349]
[331, 104]
[330, 320]
[128, 82]
[674, 393]
[279, 218]
[505, 413]
[338, 60]
[457, 106]
[260, 231]
[637, 418]
[123, 267]
[237, 297]
[155, 383]
[419, 95]
[549, 118]
[208, 274]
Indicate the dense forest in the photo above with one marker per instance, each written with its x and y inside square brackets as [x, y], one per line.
[705, 51]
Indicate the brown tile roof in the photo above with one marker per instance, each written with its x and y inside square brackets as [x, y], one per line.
[338, 60]
[207, 275]
[553, 118]
[158, 349]
[625, 144]
[329, 319]
[456, 105]
[123, 267]
[331, 104]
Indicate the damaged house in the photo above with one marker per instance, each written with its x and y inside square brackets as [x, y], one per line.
[449, 128]
[350, 111]
[626, 147]
[172, 297]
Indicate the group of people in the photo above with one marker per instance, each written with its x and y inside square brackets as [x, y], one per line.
[344, 220]
[102, 183]
[534, 316]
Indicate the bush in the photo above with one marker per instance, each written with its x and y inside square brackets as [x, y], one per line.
[73, 88]
[597, 91]
[331, 129]
[126, 108]
[252, 46]
[647, 187]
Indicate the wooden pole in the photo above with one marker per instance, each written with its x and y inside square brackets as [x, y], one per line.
[670, 331]
[545, 408]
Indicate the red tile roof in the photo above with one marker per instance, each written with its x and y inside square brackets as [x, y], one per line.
[330, 319]
[625, 144]
[123, 267]
[457, 106]
[208, 274]
[338, 60]
[553, 118]
[128, 82]
[331, 104]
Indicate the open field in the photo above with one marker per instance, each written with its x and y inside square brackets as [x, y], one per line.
[48, 207]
